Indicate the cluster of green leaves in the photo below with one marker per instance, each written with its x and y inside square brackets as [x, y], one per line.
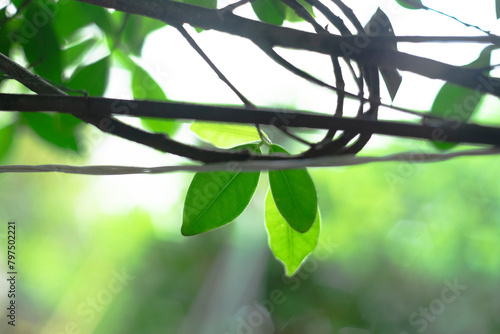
[455, 102]
[215, 199]
[61, 44]
[46, 34]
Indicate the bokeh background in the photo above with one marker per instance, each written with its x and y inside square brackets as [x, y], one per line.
[404, 247]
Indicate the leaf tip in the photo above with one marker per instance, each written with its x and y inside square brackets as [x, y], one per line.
[187, 231]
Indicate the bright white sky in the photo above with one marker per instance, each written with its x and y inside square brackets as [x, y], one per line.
[184, 76]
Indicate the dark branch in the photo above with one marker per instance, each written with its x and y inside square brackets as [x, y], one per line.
[452, 131]
[176, 13]
[103, 121]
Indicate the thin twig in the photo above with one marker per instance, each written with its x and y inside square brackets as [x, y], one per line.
[334, 19]
[221, 76]
[175, 13]
[459, 21]
[294, 136]
[339, 161]
[348, 12]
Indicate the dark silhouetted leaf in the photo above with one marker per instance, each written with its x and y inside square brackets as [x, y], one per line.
[380, 25]
[294, 194]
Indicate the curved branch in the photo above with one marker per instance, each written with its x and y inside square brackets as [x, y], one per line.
[176, 13]
[103, 121]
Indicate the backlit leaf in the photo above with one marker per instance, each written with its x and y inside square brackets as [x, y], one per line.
[225, 135]
[137, 28]
[57, 129]
[291, 15]
[215, 199]
[144, 87]
[459, 103]
[288, 245]
[294, 194]
[6, 139]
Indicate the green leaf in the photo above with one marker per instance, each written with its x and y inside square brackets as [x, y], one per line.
[17, 3]
[215, 199]
[144, 87]
[57, 129]
[6, 139]
[160, 125]
[76, 54]
[411, 4]
[39, 40]
[72, 15]
[291, 16]
[225, 135]
[459, 103]
[91, 78]
[288, 245]
[136, 30]
[270, 11]
[294, 194]
[9, 35]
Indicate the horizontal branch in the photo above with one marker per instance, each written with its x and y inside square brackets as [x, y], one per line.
[107, 123]
[451, 131]
[364, 49]
[338, 161]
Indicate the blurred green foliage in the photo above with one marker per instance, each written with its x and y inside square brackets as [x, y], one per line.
[396, 237]
[386, 251]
